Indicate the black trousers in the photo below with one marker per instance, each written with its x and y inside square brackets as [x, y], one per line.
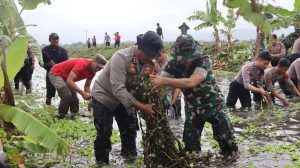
[107, 44]
[23, 75]
[274, 62]
[237, 91]
[117, 44]
[49, 87]
[177, 108]
[286, 89]
[103, 120]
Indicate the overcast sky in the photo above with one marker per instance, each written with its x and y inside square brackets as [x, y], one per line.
[71, 18]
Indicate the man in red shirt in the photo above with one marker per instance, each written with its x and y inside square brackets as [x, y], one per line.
[117, 40]
[64, 75]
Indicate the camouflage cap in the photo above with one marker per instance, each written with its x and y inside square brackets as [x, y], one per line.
[296, 25]
[185, 48]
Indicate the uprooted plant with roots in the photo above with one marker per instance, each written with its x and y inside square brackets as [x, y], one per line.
[161, 147]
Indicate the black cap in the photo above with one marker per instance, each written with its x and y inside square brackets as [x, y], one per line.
[53, 35]
[150, 43]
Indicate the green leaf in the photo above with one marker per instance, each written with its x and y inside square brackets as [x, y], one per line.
[235, 3]
[203, 25]
[294, 157]
[14, 58]
[10, 19]
[32, 147]
[211, 18]
[29, 139]
[16, 54]
[5, 40]
[22, 28]
[297, 6]
[32, 4]
[278, 11]
[256, 14]
[33, 128]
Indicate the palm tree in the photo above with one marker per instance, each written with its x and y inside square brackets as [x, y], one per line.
[211, 18]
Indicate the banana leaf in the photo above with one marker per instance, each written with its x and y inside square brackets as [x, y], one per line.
[16, 53]
[33, 128]
[32, 4]
[297, 6]
[10, 19]
[32, 147]
[5, 40]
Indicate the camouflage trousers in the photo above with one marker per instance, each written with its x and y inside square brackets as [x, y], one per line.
[221, 126]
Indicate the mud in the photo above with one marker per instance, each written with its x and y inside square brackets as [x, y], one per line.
[253, 129]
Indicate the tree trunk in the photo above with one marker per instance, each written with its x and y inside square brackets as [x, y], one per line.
[257, 43]
[229, 45]
[8, 94]
[217, 41]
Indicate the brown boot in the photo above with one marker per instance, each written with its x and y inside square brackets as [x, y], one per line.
[48, 101]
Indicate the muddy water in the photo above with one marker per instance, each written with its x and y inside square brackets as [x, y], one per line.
[287, 132]
[268, 130]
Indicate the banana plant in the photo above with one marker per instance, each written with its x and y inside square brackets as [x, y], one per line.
[229, 24]
[258, 14]
[212, 17]
[297, 10]
[12, 59]
[13, 47]
[12, 27]
[43, 137]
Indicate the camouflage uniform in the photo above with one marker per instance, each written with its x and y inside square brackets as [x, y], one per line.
[203, 102]
[289, 40]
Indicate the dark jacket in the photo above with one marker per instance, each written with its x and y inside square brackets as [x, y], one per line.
[57, 54]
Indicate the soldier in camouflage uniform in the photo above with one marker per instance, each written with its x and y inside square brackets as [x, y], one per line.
[289, 40]
[204, 101]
